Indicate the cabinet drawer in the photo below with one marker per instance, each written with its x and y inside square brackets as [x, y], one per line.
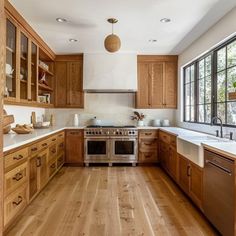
[52, 151]
[14, 159]
[15, 203]
[148, 134]
[148, 145]
[14, 178]
[61, 136]
[60, 147]
[77, 133]
[164, 137]
[147, 157]
[60, 160]
[44, 144]
[52, 167]
[33, 149]
[52, 139]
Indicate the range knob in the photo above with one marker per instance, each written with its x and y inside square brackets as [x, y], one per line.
[100, 132]
[120, 133]
[117, 132]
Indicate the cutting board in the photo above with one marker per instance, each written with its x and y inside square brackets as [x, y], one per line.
[7, 121]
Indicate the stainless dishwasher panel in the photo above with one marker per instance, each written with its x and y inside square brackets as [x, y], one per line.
[218, 192]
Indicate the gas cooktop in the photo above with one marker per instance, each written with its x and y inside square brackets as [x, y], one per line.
[111, 126]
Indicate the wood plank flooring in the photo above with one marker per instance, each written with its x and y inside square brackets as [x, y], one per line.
[111, 201]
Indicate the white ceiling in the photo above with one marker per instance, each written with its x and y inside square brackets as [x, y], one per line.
[139, 21]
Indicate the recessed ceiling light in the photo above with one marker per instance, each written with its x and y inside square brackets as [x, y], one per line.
[61, 20]
[152, 40]
[165, 20]
[73, 40]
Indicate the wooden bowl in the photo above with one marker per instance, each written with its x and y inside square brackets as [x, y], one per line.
[22, 130]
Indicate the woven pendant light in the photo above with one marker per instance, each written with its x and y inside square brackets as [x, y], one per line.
[112, 42]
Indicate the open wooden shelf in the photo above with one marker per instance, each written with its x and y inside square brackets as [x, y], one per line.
[45, 88]
[46, 71]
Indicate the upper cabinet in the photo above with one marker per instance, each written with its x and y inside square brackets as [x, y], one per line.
[157, 82]
[29, 64]
[69, 81]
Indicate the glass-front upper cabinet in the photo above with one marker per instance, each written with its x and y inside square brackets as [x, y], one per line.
[10, 89]
[34, 73]
[24, 67]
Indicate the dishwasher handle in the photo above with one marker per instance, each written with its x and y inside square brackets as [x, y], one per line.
[219, 167]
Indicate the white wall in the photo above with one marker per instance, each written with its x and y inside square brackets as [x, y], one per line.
[221, 31]
[22, 114]
[111, 108]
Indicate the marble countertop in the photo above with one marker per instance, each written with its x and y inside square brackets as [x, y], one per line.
[13, 140]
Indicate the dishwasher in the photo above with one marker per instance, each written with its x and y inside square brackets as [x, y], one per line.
[218, 192]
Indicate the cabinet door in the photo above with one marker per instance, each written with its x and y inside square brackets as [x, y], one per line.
[196, 184]
[173, 162]
[184, 168]
[34, 72]
[61, 84]
[74, 147]
[11, 61]
[33, 176]
[164, 155]
[156, 92]
[75, 96]
[43, 175]
[170, 85]
[144, 77]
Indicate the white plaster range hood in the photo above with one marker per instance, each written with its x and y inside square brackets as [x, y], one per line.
[110, 73]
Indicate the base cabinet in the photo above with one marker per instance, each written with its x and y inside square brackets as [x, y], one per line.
[75, 147]
[191, 180]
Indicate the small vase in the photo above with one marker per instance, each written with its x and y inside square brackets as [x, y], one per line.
[140, 123]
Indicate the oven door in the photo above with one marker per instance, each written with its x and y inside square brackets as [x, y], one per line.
[96, 149]
[124, 150]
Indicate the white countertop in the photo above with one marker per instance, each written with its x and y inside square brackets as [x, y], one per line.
[13, 140]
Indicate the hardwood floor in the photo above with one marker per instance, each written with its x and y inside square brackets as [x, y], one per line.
[111, 201]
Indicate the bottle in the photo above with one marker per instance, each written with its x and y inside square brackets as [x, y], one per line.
[76, 120]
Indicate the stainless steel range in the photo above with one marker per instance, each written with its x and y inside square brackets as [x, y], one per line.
[110, 144]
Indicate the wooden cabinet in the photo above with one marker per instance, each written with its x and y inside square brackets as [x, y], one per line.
[75, 147]
[191, 179]
[42, 168]
[157, 82]
[168, 154]
[69, 82]
[29, 63]
[148, 146]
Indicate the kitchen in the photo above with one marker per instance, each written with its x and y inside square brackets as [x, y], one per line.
[140, 121]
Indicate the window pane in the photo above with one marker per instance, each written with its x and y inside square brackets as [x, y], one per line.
[231, 78]
[187, 94]
[201, 113]
[192, 94]
[192, 113]
[221, 87]
[208, 113]
[208, 66]
[201, 94]
[187, 75]
[192, 72]
[187, 113]
[221, 111]
[201, 68]
[221, 59]
[231, 54]
[231, 113]
[208, 89]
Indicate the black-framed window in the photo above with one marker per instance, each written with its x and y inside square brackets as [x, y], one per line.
[207, 83]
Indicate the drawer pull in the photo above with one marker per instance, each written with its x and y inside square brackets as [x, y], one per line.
[20, 199]
[148, 134]
[34, 149]
[44, 144]
[18, 157]
[148, 144]
[60, 135]
[38, 162]
[147, 156]
[61, 145]
[53, 150]
[54, 139]
[53, 166]
[18, 177]
[60, 159]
